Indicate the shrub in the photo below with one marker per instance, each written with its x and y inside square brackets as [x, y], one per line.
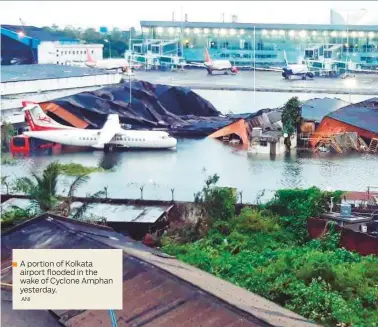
[218, 202]
[296, 206]
[252, 220]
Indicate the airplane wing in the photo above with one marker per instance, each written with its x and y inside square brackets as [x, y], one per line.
[111, 127]
[194, 64]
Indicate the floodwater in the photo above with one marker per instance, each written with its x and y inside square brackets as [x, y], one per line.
[244, 101]
[185, 169]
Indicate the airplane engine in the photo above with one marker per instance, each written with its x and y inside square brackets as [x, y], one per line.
[284, 75]
[311, 75]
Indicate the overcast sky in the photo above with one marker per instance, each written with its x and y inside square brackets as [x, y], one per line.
[124, 14]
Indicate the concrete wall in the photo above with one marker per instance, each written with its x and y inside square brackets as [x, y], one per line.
[11, 107]
[185, 211]
[22, 87]
[64, 54]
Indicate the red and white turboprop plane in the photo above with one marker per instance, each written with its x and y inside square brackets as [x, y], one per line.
[110, 136]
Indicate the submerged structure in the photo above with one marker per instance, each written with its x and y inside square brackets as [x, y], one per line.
[260, 132]
[357, 122]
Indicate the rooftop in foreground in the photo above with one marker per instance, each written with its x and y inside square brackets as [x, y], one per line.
[158, 290]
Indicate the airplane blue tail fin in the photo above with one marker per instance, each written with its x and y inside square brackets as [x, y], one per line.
[285, 59]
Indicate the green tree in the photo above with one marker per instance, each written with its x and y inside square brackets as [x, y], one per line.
[7, 131]
[92, 36]
[219, 202]
[42, 189]
[291, 117]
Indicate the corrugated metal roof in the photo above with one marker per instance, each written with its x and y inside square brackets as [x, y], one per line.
[363, 115]
[40, 33]
[318, 27]
[157, 291]
[316, 109]
[124, 213]
[16, 73]
[24, 318]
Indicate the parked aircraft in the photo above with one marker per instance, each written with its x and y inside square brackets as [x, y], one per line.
[295, 70]
[111, 64]
[224, 66]
[109, 137]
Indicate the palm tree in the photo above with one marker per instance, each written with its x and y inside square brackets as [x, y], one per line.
[42, 190]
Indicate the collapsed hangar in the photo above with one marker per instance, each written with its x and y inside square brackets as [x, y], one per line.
[361, 118]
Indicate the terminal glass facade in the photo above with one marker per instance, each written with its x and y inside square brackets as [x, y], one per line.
[266, 44]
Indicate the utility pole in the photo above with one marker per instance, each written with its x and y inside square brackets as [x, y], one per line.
[130, 66]
[254, 64]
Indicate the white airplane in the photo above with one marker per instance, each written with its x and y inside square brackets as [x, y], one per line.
[111, 64]
[224, 66]
[296, 70]
[110, 136]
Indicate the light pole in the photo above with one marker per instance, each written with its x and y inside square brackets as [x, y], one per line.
[21, 34]
[350, 83]
[110, 47]
[130, 67]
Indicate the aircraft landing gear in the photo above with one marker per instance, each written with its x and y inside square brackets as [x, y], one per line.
[109, 148]
[304, 77]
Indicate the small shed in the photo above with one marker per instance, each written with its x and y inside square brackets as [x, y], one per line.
[132, 219]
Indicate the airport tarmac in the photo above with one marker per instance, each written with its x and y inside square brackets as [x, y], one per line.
[263, 81]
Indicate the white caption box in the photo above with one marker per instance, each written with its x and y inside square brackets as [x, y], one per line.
[67, 279]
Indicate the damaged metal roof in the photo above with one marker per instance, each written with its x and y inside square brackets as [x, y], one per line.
[316, 109]
[157, 291]
[124, 213]
[363, 115]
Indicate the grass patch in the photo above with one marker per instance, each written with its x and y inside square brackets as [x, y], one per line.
[75, 169]
[7, 160]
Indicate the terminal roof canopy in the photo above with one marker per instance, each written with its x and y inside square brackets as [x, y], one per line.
[257, 26]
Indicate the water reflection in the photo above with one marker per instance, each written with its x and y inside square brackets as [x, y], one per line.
[109, 160]
[183, 170]
[292, 171]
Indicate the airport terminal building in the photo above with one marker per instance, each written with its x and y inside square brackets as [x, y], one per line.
[355, 42]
